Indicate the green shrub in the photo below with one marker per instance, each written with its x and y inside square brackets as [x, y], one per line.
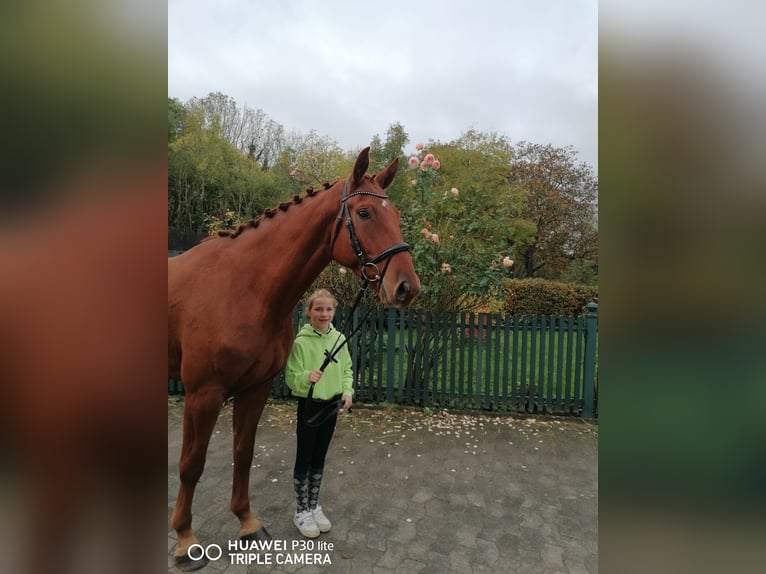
[543, 297]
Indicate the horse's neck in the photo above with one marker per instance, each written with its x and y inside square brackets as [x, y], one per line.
[287, 252]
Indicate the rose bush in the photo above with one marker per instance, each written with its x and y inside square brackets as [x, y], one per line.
[459, 249]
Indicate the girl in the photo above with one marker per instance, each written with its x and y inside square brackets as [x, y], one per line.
[316, 415]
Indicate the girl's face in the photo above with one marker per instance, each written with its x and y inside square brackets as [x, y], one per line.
[321, 313]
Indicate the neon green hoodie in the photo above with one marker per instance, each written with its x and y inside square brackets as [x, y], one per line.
[308, 354]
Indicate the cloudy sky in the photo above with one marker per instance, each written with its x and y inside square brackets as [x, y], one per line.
[348, 69]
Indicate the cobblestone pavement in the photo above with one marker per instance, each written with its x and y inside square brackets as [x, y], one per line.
[409, 492]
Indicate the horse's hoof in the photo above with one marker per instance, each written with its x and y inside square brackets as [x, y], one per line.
[261, 534]
[186, 564]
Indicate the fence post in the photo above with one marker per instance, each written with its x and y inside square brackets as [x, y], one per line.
[589, 379]
[390, 355]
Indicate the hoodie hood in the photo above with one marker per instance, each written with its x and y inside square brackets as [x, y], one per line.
[308, 331]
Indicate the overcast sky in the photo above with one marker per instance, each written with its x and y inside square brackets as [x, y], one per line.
[349, 68]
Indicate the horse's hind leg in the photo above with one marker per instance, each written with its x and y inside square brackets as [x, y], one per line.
[248, 407]
[201, 411]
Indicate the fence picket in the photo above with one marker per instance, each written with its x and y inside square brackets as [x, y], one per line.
[514, 364]
[568, 376]
[589, 380]
[455, 320]
[444, 323]
[361, 360]
[506, 357]
[550, 398]
[496, 356]
[523, 378]
[390, 355]
[487, 393]
[465, 398]
[578, 364]
[560, 365]
[382, 390]
[479, 380]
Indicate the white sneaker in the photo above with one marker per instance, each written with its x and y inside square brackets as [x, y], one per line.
[322, 522]
[304, 521]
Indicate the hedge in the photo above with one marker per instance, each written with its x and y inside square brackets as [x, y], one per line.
[543, 297]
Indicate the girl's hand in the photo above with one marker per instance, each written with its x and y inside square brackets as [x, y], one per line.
[346, 402]
[314, 376]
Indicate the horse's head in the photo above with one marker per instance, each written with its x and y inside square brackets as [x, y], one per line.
[366, 237]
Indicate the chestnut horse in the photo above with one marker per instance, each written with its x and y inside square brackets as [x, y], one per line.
[230, 306]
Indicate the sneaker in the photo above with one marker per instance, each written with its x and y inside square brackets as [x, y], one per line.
[304, 521]
[321, 520]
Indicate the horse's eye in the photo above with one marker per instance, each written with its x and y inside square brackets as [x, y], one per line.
[364, 213]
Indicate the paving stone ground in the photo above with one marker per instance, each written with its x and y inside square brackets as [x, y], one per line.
[410, 492]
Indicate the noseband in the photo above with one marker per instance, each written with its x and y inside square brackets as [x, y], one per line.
[367, 264]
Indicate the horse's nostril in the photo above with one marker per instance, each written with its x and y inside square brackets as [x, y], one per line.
[402, 291]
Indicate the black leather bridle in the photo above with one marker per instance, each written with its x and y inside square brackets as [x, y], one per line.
[371, 264]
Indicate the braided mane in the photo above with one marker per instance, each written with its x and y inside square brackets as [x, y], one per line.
[268, 213]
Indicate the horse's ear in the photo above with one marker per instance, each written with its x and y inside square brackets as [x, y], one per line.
[386, 177]
[361, 165]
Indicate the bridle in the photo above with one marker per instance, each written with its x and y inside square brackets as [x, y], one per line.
[334, 407]
[367, 264]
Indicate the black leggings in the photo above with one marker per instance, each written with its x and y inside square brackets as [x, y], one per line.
[313, 442]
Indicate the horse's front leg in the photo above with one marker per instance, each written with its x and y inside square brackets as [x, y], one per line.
[248, 407]
[201, 412]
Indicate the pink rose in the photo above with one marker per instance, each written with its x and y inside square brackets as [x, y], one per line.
[413, 161]
[436, 164]
[508, 262]
[434, 238]
[419, 146]
[429, 159]
[454, 192]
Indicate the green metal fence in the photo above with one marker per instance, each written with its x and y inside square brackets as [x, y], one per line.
[501, 362]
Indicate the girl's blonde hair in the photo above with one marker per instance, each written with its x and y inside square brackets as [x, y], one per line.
[319, 294]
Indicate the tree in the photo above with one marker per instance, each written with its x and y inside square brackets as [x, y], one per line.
[560, 202]
[314, 159]
[208, 178]
[176, 115]
[250, 131]
[383, 153]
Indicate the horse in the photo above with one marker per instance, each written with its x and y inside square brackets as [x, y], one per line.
[230, 305]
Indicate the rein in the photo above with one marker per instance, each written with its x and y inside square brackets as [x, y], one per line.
[335, 406]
